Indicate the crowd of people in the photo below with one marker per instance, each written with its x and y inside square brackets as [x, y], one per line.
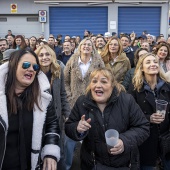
[58, 91]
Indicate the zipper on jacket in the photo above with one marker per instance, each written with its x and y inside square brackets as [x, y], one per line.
[5, 145]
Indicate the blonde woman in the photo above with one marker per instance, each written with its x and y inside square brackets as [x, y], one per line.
[76, 74]
[54, 71]
[115, 59]
[105, 106]
[149, 85]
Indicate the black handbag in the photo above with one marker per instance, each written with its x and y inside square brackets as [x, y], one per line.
[164, 143]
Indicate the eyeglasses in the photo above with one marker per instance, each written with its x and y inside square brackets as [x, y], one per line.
[26, 65]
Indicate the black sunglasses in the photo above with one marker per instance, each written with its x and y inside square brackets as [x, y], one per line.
[27, 64]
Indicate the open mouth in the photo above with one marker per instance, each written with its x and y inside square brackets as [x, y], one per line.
[28, 76]
[99, 92]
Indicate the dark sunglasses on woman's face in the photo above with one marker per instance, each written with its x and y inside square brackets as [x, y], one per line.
[27, 64]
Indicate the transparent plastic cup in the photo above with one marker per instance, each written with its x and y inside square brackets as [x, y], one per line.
[112, 137]
[161, 106]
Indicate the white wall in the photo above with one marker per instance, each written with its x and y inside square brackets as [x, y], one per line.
[28, 7]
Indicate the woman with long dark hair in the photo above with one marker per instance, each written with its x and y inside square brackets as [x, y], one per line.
[28, 123]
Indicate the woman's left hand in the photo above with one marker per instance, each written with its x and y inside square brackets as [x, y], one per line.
[118, 148]
[49, 164]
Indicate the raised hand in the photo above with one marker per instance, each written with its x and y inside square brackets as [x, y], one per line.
[83, 125]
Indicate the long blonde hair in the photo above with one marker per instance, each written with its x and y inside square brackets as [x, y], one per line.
[139, 77]
[108, 74]
[105, 54]
[54, 67]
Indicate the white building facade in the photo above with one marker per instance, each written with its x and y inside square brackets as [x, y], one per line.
[72, 17]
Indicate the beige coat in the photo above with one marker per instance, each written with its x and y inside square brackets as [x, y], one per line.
[120, 67]
[75, 84]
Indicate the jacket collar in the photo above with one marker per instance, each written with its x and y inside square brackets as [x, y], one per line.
[149, 94]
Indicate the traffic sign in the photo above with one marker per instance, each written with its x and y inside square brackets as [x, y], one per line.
[42, 19]
[13, 8]
[42, 13]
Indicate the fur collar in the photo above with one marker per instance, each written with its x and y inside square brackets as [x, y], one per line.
[95, 63]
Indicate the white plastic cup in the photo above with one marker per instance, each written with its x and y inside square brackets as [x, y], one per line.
[112, 137]
[161, 106]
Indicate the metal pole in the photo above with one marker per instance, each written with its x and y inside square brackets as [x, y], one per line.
[42, 27]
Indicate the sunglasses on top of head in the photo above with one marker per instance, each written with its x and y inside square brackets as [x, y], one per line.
[27, 64]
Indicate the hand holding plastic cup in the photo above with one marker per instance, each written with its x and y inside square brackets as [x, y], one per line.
[161, 106]
[112, 137]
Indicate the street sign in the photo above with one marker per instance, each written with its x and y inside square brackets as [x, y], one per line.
[42, 16]
[13, 8]
[42, 19]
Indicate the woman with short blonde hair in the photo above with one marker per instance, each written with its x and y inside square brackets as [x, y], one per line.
[105, 106]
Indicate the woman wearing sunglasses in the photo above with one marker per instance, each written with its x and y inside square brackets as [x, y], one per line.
[28, 123]
[54, 71]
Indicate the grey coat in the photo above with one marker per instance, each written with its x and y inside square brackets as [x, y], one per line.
[62, 109]
[60, 98]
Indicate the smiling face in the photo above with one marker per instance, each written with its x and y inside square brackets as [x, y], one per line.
[86, 47]
[18, 41]
[101, 88]
[67, 47]
[3, 45]
[162, 53]
[45, 58]
[113, 46]
[125, 42]
[24, 77]
[100, 43]
[150, 65]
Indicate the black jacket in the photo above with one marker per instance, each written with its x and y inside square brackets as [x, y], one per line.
[127, 81]
[146, 100]
[121, 113]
